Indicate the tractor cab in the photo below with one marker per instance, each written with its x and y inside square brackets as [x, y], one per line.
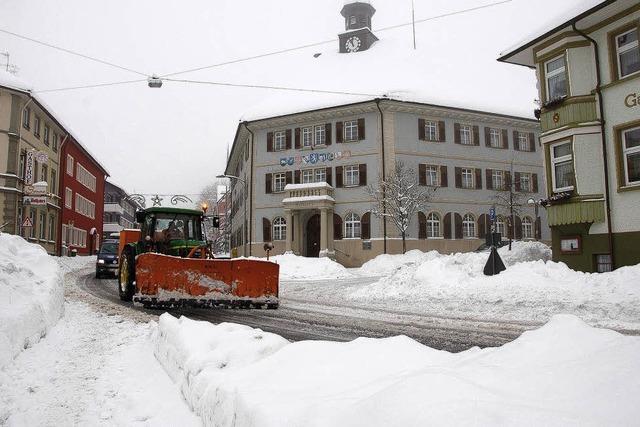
[170, 231]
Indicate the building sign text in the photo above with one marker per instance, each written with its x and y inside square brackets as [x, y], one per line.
[314, 158]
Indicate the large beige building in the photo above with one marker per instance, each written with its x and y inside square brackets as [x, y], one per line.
[588, 71]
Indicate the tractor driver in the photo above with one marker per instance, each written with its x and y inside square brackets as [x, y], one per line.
[173, 232]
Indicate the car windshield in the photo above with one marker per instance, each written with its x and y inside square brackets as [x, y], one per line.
[177, 227]
[109, 248]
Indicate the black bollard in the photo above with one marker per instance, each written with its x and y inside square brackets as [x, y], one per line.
[494, 264]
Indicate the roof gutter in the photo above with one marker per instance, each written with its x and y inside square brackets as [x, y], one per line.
[384, 176]
[598, 90]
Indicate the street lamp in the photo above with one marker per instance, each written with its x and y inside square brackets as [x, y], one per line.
[536, 204]
[244, 205]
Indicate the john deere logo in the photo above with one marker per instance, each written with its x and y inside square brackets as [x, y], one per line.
[632, 100]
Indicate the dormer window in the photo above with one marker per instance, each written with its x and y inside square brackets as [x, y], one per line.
[628, 53]
[353, 20]
[556, 78]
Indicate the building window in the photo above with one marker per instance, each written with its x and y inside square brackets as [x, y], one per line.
[466, 135]
[628, 53]
[307, 137]
[351, 176]
[45, 136]
[351, 130]
[431, 130]
[32, 217]
[279, 229]
[468, 227]
[68, 197]
[527, 228]
[26, 118]
[85, 177]
[603, 263]
[321, 135]
[42, 225]
[562, 166]
[433, 225]
[495, 138]
[53, 184]
[556, 78]
[44, 173]
[525, 182]
[54, 145]
[321, 175]
[468, 175]
[36, 127]
[353, 20]
[85, 207]
[21, 167]
[69, 165]
[631, 155]
[279, 141]
[501, 226]
[497, 180]
[523, 142]
[352, 226]
[432, 175]
[307, 176]
[279, 182]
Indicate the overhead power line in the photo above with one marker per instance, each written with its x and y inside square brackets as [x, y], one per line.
[91, 86]
[71, 52]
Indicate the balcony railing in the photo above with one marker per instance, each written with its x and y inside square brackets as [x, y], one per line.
[308, 190]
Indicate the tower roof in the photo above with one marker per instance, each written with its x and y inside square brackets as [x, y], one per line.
[348, 4]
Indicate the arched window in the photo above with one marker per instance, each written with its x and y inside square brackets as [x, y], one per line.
[501, 226]
[468, 227]
[279, 229]
[527, 228]
[352, 226]
[433, 225]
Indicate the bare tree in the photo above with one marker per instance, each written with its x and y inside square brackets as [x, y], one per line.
[399, 198]
[509, 201]
[215, 199]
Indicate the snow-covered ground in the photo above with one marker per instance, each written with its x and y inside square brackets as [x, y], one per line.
[565, 373]
[293, 267]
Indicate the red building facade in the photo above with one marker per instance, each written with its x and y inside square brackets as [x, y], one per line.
[82, 182]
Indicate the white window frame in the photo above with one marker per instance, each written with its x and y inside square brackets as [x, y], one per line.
[548, 75]
[501, 226]
[52, 228]
[433, 226]
[497, 179]
[85, 206]
[352, 226]
[351, 130]
[45, 135]
[54, 142]
[308, 176]
[307, 137]
[431, 130]
[472, 172]
[352, 175]
[466, 134]
[468, 226]
[280, 140]
[42, 226]
[84, 177]
[279, 229]
[527, 228]
[36, 126]
[432, 177]
[320, 135]
[523, 142]
[68, 198]
[562, 159]
[279, 182]
[320, 175]
[626, 152]
[495, 138]
[32, 216]
[70, 165]
[624, 49]
[26, 118]
[528, 180]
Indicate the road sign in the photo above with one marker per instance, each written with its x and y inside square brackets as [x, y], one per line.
[27, 222]
[492, 214]
[34, 200]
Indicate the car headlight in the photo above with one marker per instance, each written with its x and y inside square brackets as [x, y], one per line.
[100, 261]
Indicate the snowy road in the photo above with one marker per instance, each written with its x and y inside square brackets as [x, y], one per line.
[299, 319]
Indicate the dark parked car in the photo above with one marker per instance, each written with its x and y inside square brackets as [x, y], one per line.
[107, 258]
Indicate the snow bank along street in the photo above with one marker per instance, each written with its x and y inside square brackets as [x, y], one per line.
[563, 373]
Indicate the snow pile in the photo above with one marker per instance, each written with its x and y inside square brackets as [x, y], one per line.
[294, 267]
[529, 290]
[69, 264]
[31, 295]
[564, 372]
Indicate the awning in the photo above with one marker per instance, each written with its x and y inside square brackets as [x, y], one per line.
[576, 213]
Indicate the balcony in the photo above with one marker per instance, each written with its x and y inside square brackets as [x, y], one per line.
[308, 196]
[569, 113]
[113, 208]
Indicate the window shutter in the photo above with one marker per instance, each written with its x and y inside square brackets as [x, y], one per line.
[538, 229]
[478, 179]
[289, 176]
[296, 177]
[337, 227]
[269, 142]
[288, 138]
[518, 228]
[422, 226]
[456, 131]
[266, 230]
[532, 142]
[329, 177]
[534, 186]
[487, 137]
[297, 136]
[507, 181]
[442, 132]
[447, 226]
[422, 174]
[517, 181]
[421, 131]
[365, 224]
[339, 182]
[515, 141]
[339, 132]
[505, 138]
[444, 180]
[458, 226]
[327, 133]
[268, 186]
[361, 129]
[363, 174]
[476, 135]
[458, 177]
[489, 175]
[482, 226]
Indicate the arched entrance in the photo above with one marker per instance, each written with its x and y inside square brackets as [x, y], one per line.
[313, 236]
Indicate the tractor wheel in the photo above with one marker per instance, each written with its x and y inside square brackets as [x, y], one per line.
[127, 275]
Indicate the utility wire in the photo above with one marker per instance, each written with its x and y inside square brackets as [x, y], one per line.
[90, 86]
[71, 52]
[292, 49]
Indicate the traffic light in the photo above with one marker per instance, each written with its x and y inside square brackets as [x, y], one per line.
[216, 222]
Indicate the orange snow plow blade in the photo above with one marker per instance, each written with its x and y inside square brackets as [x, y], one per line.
[163, 280]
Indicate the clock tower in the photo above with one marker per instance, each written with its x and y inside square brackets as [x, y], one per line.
[358, 35]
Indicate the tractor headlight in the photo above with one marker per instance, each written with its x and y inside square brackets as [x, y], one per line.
[100, 261]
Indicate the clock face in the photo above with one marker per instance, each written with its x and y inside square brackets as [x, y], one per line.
[353, 44]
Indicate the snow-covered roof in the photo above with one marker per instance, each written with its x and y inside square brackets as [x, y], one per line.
[12, 82]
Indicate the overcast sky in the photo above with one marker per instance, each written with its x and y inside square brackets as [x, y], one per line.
[174, 139]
